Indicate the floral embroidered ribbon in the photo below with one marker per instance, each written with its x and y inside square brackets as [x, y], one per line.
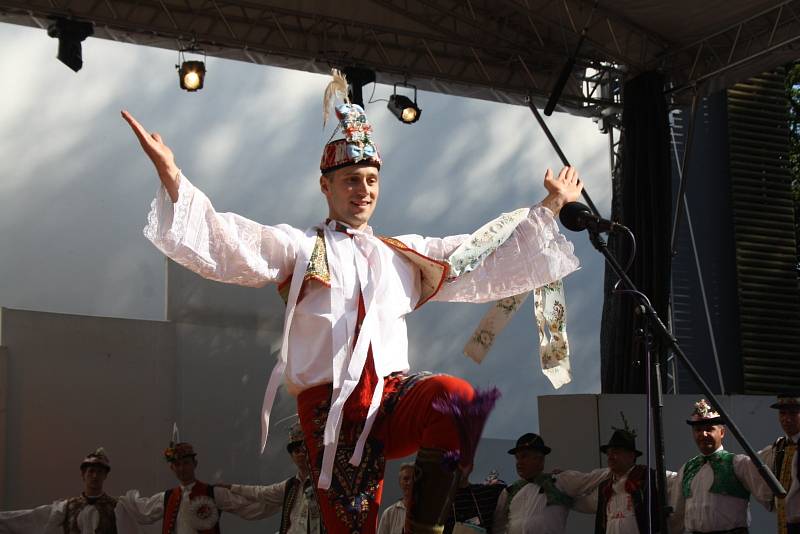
[550, 304]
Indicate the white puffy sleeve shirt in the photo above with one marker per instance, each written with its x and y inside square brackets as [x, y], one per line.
[148, 510]
[229, 248]
[49, 519]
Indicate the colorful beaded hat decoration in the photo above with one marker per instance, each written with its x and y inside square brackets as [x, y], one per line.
[357, 147]
[704, 414]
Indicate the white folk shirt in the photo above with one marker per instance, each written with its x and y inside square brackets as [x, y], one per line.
[620, 514]
[49, 519]
[704, 511]
[528, 513]
[319, 328]
[147, 510]
[393, 519]
[792, 500]
[304, 517]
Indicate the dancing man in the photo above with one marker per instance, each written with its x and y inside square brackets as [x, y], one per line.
[347, 291]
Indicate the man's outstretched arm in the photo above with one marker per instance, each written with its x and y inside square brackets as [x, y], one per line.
[160, 154]
[225, 247]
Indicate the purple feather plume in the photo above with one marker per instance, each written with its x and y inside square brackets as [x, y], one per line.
[469, 417]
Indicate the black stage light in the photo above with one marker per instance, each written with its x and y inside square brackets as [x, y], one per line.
[402, 107]
[191, 74]
[70, 33]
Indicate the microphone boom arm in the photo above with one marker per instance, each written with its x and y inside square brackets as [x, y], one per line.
[558, 150]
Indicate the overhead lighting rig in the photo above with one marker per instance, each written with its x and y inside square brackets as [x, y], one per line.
[402, 107]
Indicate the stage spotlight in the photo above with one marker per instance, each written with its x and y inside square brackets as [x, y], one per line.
[402, 107]
[191, 74]
[70, 34]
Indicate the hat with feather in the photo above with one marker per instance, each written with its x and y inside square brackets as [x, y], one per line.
[357, 147]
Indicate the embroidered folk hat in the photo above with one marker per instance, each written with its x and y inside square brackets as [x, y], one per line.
[98, 458]
[787, 401]
[179, 451]
[704, 414]
[357, 147]
[296, 437]
[530, 441]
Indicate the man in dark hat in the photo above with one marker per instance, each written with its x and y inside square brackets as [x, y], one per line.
[781, 457]
[294, 497]
[347, 291]
[92, 512]
[713, 489]
[192, 507]
[534, 504]
[618, 494]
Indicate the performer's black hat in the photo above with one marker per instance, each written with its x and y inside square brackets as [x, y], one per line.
[787, 401]
[531, 441]
[622, 438]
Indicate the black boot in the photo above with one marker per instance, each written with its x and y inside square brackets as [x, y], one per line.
[435, 484]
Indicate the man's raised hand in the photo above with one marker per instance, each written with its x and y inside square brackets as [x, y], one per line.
[159, 153]
[566, 187]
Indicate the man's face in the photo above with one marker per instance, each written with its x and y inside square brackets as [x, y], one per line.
[790, 421]
[406, 480]
[93, 479]
[708, 437]
[620, 460]
[352, 194]
[300, 457]
[184, 469]
[530, 463]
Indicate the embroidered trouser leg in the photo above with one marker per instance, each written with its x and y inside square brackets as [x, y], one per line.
[407, 421]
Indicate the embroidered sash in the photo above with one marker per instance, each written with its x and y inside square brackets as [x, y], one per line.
[549, 302]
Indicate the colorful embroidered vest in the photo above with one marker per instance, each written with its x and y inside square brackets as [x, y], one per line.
[634, 486]
[725, 480]
[172, 503]
[105, 508]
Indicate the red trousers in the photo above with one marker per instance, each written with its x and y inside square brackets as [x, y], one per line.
[405, 423]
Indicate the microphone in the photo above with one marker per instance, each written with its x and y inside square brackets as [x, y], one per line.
[576, 217]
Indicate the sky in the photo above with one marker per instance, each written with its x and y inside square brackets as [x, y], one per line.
[77, 188]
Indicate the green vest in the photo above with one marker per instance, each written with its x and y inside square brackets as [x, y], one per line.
[725, 480]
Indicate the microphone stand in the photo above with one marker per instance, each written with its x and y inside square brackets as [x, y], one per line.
[654, 327]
